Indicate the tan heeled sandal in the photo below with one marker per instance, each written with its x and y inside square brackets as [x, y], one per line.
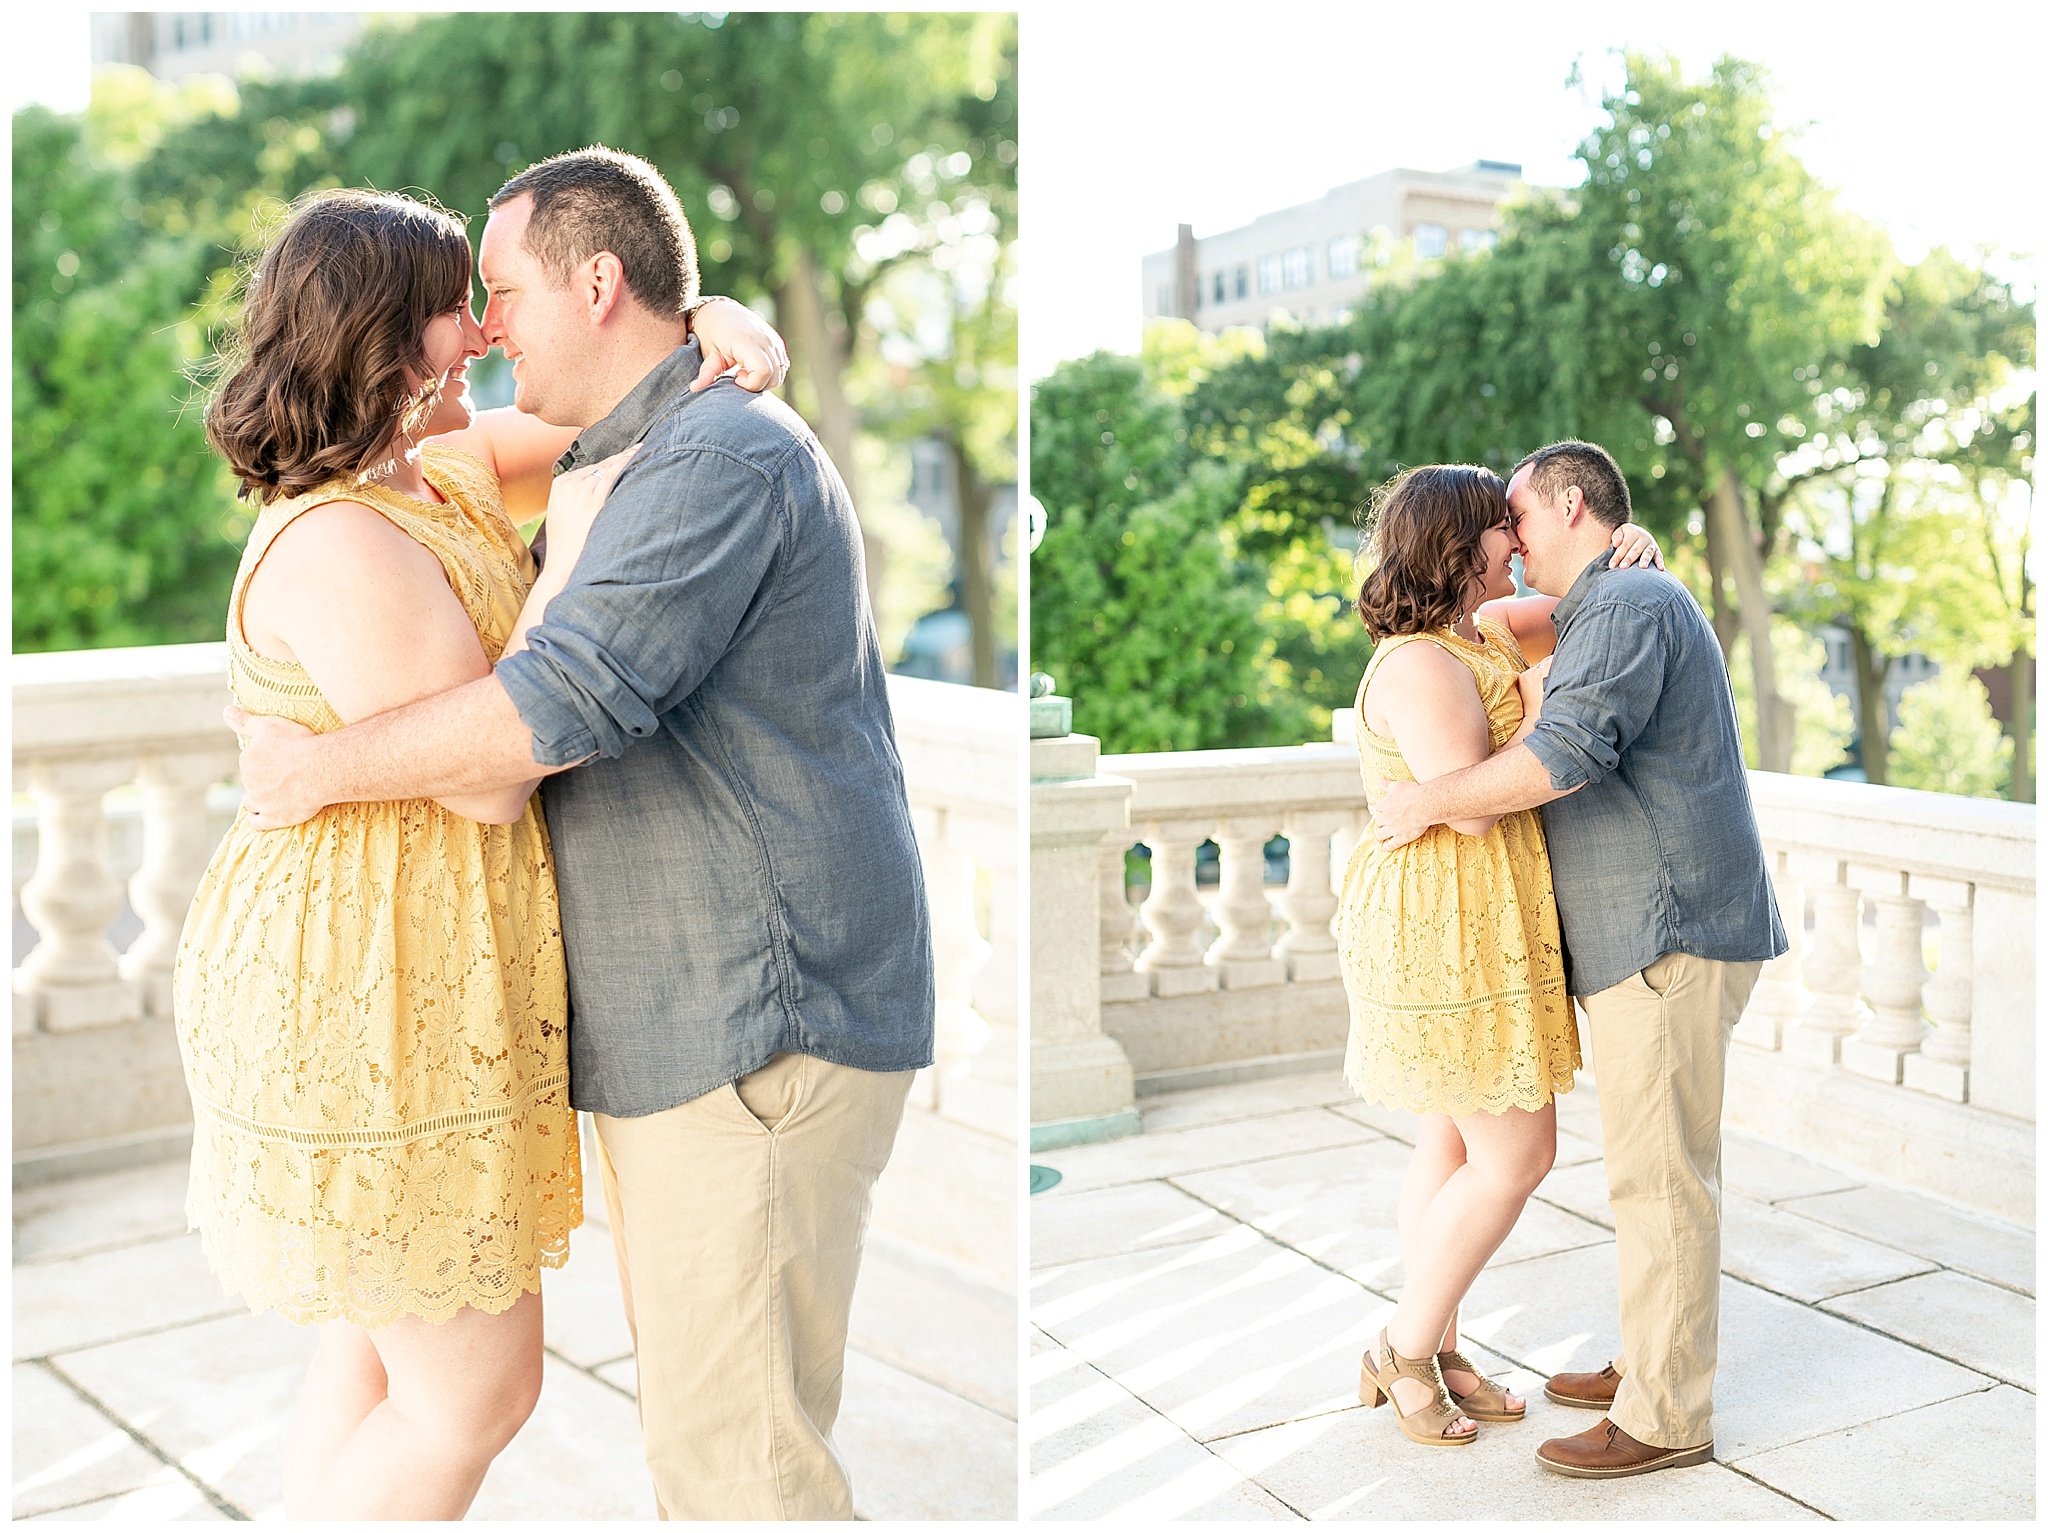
[1431, 1424]
[1487, 1402]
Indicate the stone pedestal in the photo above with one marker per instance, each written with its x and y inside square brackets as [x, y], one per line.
[1081, 1086]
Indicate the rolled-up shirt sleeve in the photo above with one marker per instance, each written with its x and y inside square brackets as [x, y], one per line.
[1605, 682]
[672, 570]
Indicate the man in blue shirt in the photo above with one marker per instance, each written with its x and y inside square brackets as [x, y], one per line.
[1667, 915]
[743, 906]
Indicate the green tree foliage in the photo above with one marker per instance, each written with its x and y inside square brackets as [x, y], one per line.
[125, 528]
[1826, 719]
[1678, 307]
[1947, 741]
[1753, 355]
[1906, 482]
[1137, 608]
[820, 158]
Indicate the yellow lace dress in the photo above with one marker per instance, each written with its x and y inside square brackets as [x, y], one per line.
[1449, 945]
[372, 1006]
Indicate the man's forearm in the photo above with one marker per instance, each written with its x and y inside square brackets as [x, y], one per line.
[469, 739]
[1510, 779]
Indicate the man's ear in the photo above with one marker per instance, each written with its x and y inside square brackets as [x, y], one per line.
[604, 285]
[1574, 501]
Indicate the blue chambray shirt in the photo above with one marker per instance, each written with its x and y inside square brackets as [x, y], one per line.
[738, 871]
[1658, 852]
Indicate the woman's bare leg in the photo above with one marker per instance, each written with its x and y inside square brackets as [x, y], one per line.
[344, 1384]
[457, 1392]
[1442, 1250]
[1439, 1151]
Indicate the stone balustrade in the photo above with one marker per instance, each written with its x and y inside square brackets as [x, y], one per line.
[1897, 1033]
[129, 766]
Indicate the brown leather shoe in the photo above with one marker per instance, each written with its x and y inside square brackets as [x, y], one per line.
[1588, 1391]
[1605, 1452]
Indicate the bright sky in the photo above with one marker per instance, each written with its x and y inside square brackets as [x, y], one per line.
[1136, 119]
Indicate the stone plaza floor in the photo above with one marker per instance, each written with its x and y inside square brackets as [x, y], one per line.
[143, 1393]
[1201, 1294]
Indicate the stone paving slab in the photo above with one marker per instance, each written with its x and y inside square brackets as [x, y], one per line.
[1221, 1337]
[1580, 1190]
[1770, 1175]
[1110, 1456]
[583, 1315]
[1252, 1099]
[1356, 1466]
[1969, 1459]
[938, 1327]
[1765, 1341]
[1801, 1259]
[915, 1451]
[1979, 1325]
[1145, 1157]
[1338, 1206]
[65, 1452]
[177, 1500]
[213, 1396]
[1574, 1145]
[142, 1203]
[65, 1305]
[1952, 1237]
[144, 1327]
[1110, 1221]
[1238, 1347]
[580, 1448]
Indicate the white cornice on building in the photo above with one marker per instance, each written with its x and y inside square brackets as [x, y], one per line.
[1311, 262]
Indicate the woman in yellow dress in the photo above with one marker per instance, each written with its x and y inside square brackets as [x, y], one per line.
[1450, 949]
[372, 1005]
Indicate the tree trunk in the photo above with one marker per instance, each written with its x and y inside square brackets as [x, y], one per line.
[1775, 715]
[800, 306]
[2022, 668]
[1873, 718]
[977, 563]
[1726, 621]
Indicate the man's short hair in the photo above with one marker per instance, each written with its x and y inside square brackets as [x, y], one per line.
[1554, 469]
[598, 199]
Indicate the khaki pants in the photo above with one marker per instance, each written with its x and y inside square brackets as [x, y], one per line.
[738, 1219]
[1660, 1055]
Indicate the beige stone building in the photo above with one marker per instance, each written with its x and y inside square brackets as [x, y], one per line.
[173, 45]
[1311, 262]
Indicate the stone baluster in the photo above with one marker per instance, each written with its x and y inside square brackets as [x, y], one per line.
[1173, 914]
[1779, 1000]
[1833, 968]
[1943, 1064]
[1122, 931]
[72, 978]
[176, 843]
[1309, 949]
[1242, 954]
[1892, 983]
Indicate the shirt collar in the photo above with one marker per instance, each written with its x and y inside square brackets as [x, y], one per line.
[634, 415]
[1575, 598]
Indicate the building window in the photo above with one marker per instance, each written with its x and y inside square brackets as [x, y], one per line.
[1470, 240]
[1431, 240]
[1165, 308]
[1244, 282]
[1269, 275]
[1343, 256]
[1297, 266]
[1218, 287]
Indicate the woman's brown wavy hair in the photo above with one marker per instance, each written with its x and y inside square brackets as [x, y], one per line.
[325, 365]
[1426, 525]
